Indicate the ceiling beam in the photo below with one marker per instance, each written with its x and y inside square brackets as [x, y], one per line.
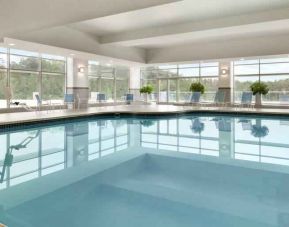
[18, 16]
[139, 37]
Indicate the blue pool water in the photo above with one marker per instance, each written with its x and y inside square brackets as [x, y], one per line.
[189, 170]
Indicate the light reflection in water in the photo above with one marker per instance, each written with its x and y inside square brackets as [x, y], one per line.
[28, 154]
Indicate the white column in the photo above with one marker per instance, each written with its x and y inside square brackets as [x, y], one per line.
[225, 79]
[134, 82]
[77, 80]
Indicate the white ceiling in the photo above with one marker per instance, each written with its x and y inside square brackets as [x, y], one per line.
[175, 13]
[132, 29]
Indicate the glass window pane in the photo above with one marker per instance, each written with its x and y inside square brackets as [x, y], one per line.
[271, 60]
[167, 66]
[274, 68]
[3, 50]
[25, 63]
[210, 71]
[189, 72]
[196, 65]
[246, 69]
[53, 66]
[167, 73]
[211, 86]
[3, 60]
[163, 93]
[247, 62]
[53, 86]
[24, 85]
[93, 83]
[210, 64]
[53, 57]
[184, 89]
[24, 53]
[3, 82]
[243, 83]
[107, 87]
[149, 74]
[93, 69]
[278, 87]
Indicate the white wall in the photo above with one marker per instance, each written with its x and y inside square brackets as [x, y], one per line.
[134, 82]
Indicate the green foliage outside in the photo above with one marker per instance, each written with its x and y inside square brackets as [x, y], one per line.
[148, 89]
[259, 88]
[197, 87]
[25, 78]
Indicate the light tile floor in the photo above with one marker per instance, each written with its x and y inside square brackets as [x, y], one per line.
[12, 118]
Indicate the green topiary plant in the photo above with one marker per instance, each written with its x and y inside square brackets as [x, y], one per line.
[148, 89]
[259, 88]
[197, 87]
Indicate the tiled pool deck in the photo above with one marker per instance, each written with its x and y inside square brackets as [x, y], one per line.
[36, 116]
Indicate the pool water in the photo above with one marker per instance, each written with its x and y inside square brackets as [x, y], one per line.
[189, 170]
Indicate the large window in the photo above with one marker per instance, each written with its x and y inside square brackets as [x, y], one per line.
[111, 81]
[3, 76]
[29, 73]
[272, 71]
[172, 82]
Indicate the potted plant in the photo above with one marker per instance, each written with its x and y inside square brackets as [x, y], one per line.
[148, 89]
[197, 87]
[258, 89]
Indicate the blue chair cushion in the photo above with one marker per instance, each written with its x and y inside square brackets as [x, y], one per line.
[69, 98]
[101, 97]
[129, 97]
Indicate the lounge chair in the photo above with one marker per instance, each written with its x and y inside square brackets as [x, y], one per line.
[41, 103]
[284, 99]
[246, 99]
[69, 100]
[101, 97]
[129, 98]
[219, 99]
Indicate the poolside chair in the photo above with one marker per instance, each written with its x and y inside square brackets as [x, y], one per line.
[246, 99]
[81, 101]
[69, 100]
[8, 93]
[101, 97]
[41, 103]
[284, 99]
[129, 98]
[219, 99]
[195, 97]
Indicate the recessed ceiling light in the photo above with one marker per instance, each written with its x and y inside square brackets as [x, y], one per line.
[108, 64]
[242, 59]
[11, 44]
[72, 54]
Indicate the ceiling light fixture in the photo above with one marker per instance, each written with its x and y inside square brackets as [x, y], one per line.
[11, 44]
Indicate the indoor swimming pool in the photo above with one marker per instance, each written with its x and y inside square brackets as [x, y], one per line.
[185, 170]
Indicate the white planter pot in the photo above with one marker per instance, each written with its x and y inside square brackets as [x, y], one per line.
[258, 100]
